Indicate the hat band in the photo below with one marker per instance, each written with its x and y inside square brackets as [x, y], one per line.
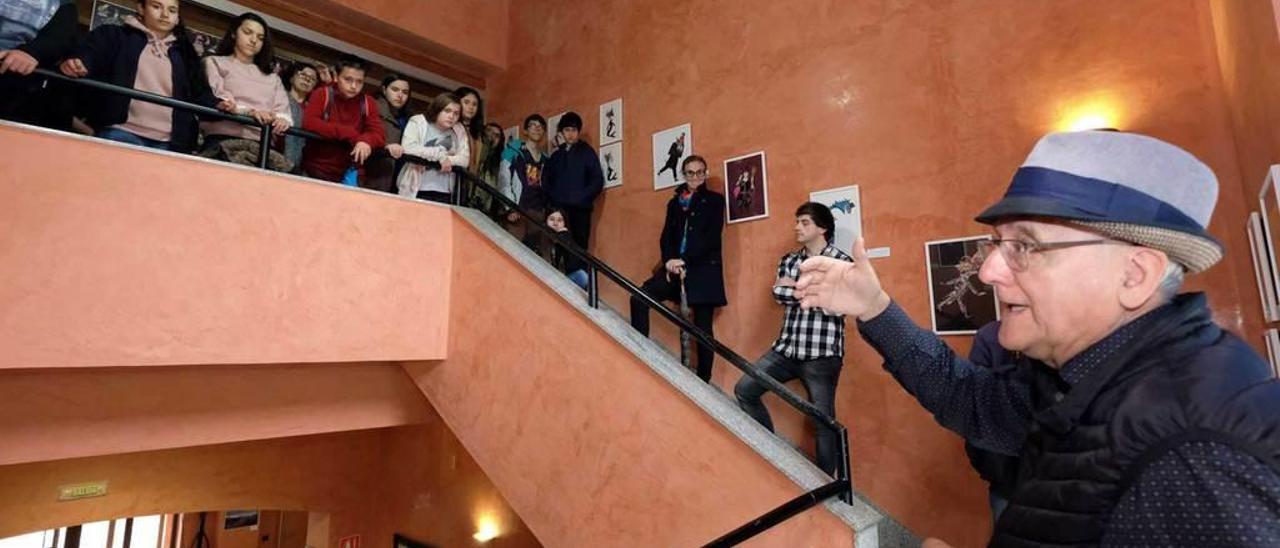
[1098, 200]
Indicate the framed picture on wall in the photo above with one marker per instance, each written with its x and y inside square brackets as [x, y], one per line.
[959, 302]
[110, 13]
[1258, 246]
[845, 204]
[670, 147]
[512, 132]
[1269, 211]
[235, 519]
[611, 122]
[401, 541]
[554, 140]
[746, 188]
[611, 164]
[1273, 350]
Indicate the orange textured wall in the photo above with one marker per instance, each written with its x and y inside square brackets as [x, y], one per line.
[588, 444]
[104, 266]
[52, 414]
[928, 106]
[465, 40]
[350, 476]
[1247, 44]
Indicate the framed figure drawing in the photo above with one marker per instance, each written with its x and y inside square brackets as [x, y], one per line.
[1259, 247]
[670, 148]
[746, 188]
[1269, 211]
[959, 303]
[611, 164]
[845, 204]
[512, 132]
[553, 138]
[611, 122]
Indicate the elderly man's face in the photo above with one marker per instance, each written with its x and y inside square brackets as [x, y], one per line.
[1065, 300]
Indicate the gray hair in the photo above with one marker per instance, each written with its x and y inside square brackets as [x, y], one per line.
[1171, 282]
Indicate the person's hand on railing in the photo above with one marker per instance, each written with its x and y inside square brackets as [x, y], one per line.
[226, 105]
[74, 68]
[360, 152]
[513, 217]
[17, 61]
[396, 151]
[841, 287]
[267, 118]
[445, 165]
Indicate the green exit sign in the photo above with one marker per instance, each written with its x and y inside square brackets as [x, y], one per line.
[82, 490]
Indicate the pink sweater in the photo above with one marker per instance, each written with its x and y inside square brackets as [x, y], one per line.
[249, 88]
[155, 74]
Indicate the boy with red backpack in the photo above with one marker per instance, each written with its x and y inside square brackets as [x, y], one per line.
[344, 114]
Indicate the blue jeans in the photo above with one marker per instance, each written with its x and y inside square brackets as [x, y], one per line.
[819, 376]
[121, 136]
[579, 277]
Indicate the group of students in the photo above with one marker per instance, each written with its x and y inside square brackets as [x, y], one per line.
[365, 135]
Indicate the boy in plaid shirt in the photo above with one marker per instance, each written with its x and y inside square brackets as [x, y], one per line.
[811, 344]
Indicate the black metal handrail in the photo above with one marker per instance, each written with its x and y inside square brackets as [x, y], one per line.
[841, 486]
[201, 110]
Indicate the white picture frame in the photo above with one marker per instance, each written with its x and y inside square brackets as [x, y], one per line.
[1269, 211]
[845, 204]
[611, 164]
[975, 301]
[611, 122]
[553, 138]
[512, 132]
[1273, 350]
[1262, 268]
[670, 147]
[746, 188]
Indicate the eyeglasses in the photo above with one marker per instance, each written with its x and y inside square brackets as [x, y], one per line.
[1017, 253]
[695, 174]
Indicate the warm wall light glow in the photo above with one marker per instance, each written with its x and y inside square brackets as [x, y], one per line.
[486, 529]
[1097, 114]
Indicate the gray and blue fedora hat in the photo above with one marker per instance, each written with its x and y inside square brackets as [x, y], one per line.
[1124, 186]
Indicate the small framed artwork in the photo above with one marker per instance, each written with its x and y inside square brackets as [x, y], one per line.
[746, 185]
[401, 541]
[512, 132]
[235, 519]
[845, 204]
[959, 302]
[670, 148]
[554, 140]
[1269, 204]
[109, 13]
[611, 122]
[1262, 268]
[1273, 350]
[611, 164]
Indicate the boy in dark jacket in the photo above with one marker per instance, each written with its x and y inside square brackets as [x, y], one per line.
[573, 179]
[150, 52]
[690, 247]
[342, 112]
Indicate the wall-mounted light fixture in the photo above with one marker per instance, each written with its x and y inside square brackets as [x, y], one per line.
[486, 529]
[1100, 113]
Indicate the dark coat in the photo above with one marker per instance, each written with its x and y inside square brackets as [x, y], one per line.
[704, 273]
[572, 177]
[1182, 379]
[111, 55]
[1001, 471]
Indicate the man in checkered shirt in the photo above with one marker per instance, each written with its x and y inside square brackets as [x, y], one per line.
[811, 344]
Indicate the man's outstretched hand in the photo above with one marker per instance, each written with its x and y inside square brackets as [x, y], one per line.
[842, 287]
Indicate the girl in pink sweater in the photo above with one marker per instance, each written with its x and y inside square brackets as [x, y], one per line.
[240, 73]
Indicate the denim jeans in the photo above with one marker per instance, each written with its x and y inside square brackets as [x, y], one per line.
[819, 376]
[121, 136]
[579, 277]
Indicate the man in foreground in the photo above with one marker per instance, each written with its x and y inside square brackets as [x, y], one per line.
[1144, 423]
